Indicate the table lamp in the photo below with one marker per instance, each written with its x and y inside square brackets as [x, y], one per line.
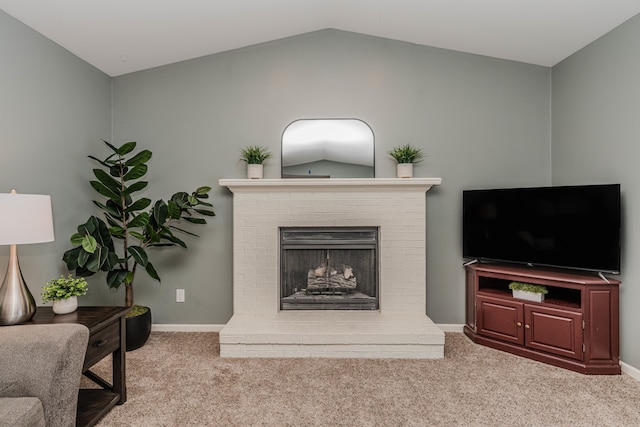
[24, 218]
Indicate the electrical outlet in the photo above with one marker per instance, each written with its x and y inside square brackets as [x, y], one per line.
[179, 295]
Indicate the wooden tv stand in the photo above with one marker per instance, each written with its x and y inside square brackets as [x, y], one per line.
[576, 327]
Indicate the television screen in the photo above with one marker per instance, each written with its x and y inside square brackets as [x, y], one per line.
[574, 227]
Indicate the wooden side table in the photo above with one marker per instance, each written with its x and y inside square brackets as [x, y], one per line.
[107, 335]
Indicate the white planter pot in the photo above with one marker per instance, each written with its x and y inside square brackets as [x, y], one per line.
[529, 296]
[404, 170]
[254, 171]
[65, 306]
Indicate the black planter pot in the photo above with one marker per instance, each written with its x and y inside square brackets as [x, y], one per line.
[138, 330]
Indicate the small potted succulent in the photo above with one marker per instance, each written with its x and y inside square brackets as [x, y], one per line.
[64, 293]
[406, 155]
[528, 292]
[254, 156]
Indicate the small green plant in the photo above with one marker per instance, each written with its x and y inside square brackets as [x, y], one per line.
[528, 287]
[254, 154]
[64, 287]
[406, 154]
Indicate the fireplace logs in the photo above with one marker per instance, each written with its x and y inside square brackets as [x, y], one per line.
[319, 279]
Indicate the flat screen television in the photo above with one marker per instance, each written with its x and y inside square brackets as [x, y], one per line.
[576, 227]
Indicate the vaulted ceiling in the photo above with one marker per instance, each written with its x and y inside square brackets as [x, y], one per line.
[123, 36]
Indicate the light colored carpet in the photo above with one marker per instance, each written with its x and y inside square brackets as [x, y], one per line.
[179, 379]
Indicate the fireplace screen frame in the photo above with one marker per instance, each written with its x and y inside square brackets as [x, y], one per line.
[334, 239]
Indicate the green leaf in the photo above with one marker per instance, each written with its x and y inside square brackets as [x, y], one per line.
[102, 235]
[89, 244]
[83, 257]
[103, 190]
[181, 199]
[184, 231]
[107, 180]
[105, 164]
[152, 271]
[117, 231]
[201, 203]
[195, 220]
[93, 263]
[88, 227]
[137, 235]
[136, 172]
[111, 262]
[111, 221]
[201, 191]
[139, 159]
[139, 205]
[151, 234]
[160, 212]
[136, 186]
[115, 150]
[113, 209]
[115, 278]
[174, 210]
[139, 221]
[76, 239]
[139, 255]
[192, 200]
[175, 240]
[70, 257]
[205, 212]
[126, 148]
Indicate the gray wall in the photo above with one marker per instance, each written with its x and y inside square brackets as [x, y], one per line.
[53, 108]
[483, 123]
[596, 125]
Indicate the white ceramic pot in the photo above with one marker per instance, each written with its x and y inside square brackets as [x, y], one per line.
[404, 170]
[254, 171]
[65, 306]
[529, 296]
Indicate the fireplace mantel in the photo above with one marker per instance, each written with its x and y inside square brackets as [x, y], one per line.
[332, 184]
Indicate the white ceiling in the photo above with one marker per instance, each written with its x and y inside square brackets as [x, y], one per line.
[123, 36]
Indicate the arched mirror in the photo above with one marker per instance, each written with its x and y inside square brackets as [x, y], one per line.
[328, 148]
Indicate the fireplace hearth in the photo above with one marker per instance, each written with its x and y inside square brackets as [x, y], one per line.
[329, 268]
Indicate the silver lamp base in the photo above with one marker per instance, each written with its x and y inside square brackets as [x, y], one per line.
[16, 302]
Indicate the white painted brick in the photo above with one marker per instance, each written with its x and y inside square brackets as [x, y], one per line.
[399, 212]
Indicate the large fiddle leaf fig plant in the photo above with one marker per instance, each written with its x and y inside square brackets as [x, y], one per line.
[133, 225]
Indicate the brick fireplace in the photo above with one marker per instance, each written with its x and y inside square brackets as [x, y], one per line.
[395, 207]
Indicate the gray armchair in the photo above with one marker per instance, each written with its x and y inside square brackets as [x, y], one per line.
[40, 374]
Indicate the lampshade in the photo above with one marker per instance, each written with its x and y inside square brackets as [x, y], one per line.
[25, 218]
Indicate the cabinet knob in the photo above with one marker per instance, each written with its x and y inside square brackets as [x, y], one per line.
[527, 327]
[519, 324]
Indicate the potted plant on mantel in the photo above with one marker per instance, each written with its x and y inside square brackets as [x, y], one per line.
[528, 291]
[254, 156]
[64, 293]
[136, 224]
[406, 155]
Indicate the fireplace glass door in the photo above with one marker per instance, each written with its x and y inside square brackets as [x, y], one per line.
[329, 268]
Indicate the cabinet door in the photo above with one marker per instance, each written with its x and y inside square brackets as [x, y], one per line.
[500, 319]
[554, 331]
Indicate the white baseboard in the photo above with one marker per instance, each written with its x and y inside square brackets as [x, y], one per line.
[185, 328]
[630, 370]
[446, 327]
